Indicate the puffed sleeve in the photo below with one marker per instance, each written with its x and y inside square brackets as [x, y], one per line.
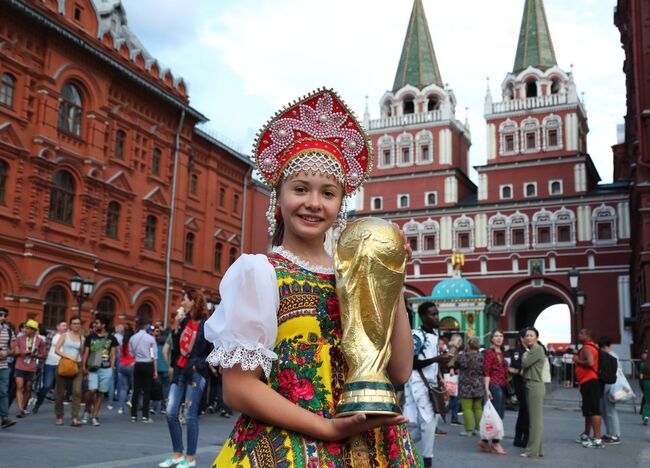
[244, 327]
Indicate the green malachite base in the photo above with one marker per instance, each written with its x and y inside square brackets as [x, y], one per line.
[368, 398]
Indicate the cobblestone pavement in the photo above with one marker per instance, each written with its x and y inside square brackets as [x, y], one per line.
[36, 442]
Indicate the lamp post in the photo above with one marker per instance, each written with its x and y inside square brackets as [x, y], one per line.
[581, 298]
[82, 289]
[574, 281]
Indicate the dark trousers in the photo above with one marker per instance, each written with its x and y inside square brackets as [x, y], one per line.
[522, 427]
[142, 381]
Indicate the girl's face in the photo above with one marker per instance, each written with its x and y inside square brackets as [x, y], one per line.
[497, 339]
[531, 338]
[309, 204]
[187, 303]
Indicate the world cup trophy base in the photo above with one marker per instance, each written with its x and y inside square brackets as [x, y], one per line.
[372, 398]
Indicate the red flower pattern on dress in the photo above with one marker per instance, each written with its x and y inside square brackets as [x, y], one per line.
[293, 388]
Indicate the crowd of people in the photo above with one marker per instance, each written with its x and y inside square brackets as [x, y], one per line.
[146, 370]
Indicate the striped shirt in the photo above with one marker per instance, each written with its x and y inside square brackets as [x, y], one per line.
[5, 344]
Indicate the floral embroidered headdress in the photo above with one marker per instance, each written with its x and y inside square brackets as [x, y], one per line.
[316, 134]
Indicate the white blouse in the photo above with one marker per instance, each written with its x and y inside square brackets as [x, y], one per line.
[244, 327]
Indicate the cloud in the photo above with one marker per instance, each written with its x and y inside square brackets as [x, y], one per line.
[244, 60]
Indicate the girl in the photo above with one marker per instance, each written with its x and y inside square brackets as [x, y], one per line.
[470, 386]
[533, 365]
[277, 331]
[190, 377]
[495, 379]
[125, 370]
[70, 346]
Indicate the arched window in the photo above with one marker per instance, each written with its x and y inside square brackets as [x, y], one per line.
[189, 248]
[434, 103]
[430, 236]
[70, 110]
[7, 89]
[385, 151]
[55, 307]
[194, 183]
[403, 201]
[555, 187]
[155, 162]
[604, 224]
[145, 311]
[518, 230]
[530, 189]
[498, 225]
[113, 220]
[62, 197]
[235, 203]
[408, 106]
[509, 92]
[150, 233]
[552, 132]
[564, 225]
[4, 172]
[531, 88]
[431, 198]
[106, 307]
[218, 253]
[405, 149]
[232, 256]
[120, 138]
[506, 192]
[556, 86]
[376, 203]
[508, 137]
[222, 197]
[530, 134]
[542, 228]
[424, 144]
[463, 233]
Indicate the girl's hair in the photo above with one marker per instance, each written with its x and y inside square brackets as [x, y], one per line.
[278, 234]
[200, 307]
[494, 332]
[128, 333]
[534, 330]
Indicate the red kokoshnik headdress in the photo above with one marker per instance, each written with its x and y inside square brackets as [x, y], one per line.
[317, 133]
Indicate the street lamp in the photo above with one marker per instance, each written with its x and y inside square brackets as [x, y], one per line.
[82, 289]
[574, 281]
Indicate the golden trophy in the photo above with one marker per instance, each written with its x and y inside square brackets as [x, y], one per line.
[370, 263]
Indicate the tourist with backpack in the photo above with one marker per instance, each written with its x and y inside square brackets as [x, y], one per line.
[607, 405]
[591, 389]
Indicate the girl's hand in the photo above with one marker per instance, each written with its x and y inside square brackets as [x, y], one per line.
[342, 428]
[488, 393]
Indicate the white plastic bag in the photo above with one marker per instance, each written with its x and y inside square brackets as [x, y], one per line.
[620, 391]
[491, 425]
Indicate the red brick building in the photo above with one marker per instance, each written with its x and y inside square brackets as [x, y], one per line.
[539, 210]
[632, 157]
[103, 171]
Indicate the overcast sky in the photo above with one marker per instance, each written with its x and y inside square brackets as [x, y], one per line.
[245, 59]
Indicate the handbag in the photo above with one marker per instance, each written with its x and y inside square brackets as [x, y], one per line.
[437, 394]
[67, 367]
[156, 393]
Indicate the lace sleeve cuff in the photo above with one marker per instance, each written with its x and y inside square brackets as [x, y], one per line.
[248, 359]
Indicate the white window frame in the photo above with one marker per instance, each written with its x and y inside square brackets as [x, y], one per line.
[548, 222]
[384, 143]
[557, 223]
[372, 203]
[426, 198]
[504, 225]
[423, 138]
[408, 200]
[526, 184]
[552, 122]
[519, 221]
[603, 214]
[404, 140]
[508, 127]
[550, 184]
[457, 229]
[530, 125]
[512, 192]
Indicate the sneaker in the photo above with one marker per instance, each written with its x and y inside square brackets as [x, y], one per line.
[611, 440]
[593, 443]
[147, 420]
[583, 438]
[109, 407]
[225, 414]
[170, 462]
[128, 403]
[134, 419]
[20, 414]
[645, 421]
[152, 411]
[465, 434]
[187, 464]
[120, 411]
[95, 422]
[85, 417]
[163, 411]
[7, 422]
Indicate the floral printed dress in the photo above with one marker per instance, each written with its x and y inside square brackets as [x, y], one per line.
[309, 371]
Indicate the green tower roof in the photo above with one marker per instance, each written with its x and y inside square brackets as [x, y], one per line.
[535, 47]
[417, 65]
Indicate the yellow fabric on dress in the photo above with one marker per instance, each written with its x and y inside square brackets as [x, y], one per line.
[309, 372]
